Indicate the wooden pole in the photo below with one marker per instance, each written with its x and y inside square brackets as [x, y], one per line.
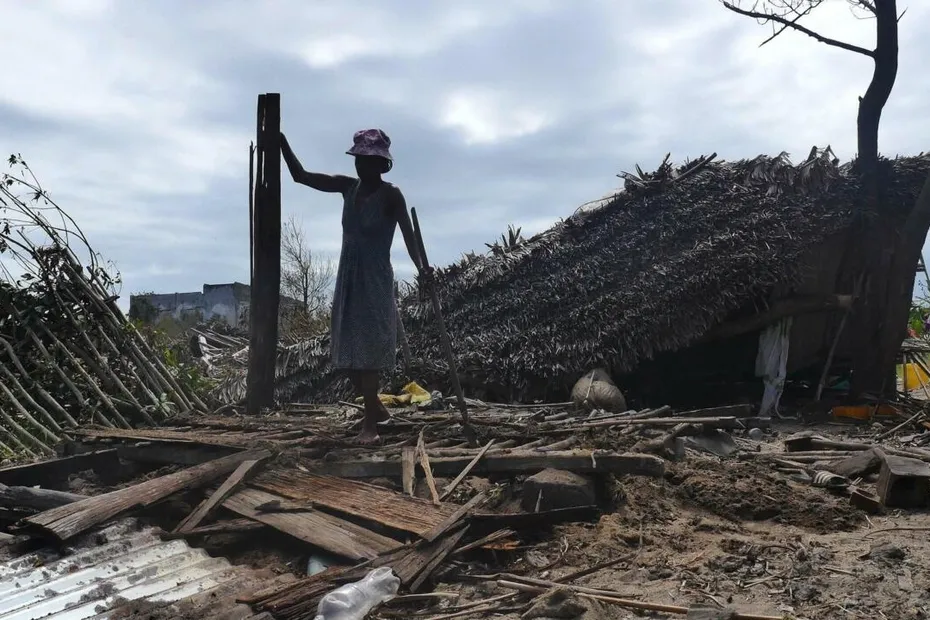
[266, 226]
[251, 215]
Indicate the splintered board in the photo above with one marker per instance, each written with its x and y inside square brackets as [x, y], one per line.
[317, 528]
[358, 499]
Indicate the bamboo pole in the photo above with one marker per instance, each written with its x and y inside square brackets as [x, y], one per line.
[27, 397]
[18, 406]
[48, 398]
[100, 394]
[143, 354]
[111, 346]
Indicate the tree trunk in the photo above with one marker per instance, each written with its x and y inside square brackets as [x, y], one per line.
[879, 248]
[884, 74]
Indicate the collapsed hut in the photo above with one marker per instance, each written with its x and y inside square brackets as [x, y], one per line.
[668, 284]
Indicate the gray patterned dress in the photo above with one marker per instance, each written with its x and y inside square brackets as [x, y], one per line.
[364, 327]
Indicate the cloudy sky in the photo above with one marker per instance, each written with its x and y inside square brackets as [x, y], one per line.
[137, 116]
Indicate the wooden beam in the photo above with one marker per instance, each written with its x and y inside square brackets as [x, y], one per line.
[16, 497]
[514, 463]
[265, 292]
[229, 486]
[54, 474]
[781, 309]
[68, 521]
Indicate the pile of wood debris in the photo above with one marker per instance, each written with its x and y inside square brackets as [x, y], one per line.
[585, 512]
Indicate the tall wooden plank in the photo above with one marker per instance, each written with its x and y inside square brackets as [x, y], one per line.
[266, 230]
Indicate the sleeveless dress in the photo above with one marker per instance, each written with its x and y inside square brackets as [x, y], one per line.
[364, 317]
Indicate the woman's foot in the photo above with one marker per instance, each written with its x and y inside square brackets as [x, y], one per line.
[369, 434]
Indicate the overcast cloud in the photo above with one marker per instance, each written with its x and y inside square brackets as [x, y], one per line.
[137, 116]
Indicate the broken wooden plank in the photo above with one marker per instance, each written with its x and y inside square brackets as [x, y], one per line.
[736, 411]
[427, 470]
[454, 518]
[485, 540]
[68, 521]
[725, 422]
[229, 486]
[53, 474]
[232, 526]
[513, 463]
[806, 442]
[317, 528]
[30, 498]
[157, 434]
[521, 521]
[863, 500]
[408, 458]
[445, 548]
[358, 499]
[157, 452]
[458, 479]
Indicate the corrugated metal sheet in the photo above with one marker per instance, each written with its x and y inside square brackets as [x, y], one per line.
[120, 563]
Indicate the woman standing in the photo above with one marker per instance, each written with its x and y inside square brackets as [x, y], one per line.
[364, 314]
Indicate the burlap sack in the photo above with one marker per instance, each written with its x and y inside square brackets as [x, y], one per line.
[596, 390]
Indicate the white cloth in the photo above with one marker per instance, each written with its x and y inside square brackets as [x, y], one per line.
[772, 364]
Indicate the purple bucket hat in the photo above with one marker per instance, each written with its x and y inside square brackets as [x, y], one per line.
[371, 142]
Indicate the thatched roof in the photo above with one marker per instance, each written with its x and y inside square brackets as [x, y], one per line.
[648, 270]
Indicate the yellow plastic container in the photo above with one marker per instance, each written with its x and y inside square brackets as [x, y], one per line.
[913, 375]
[863, 412]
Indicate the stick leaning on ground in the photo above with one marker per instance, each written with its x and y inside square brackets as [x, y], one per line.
[444, 334]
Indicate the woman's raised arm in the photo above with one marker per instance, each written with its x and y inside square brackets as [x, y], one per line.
[333, 183]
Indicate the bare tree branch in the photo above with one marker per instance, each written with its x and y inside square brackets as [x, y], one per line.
[785, 27]
[304, 276]
[787, 23]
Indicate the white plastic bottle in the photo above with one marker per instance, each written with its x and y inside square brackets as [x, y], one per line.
[353, 601]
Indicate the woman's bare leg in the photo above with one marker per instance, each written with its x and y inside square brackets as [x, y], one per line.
[366, 382]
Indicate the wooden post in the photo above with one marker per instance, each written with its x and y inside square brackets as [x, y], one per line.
[266, 231]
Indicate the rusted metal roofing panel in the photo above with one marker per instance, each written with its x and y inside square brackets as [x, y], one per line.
[121, 563]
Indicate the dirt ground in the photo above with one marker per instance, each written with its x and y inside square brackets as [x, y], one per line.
[738, 534]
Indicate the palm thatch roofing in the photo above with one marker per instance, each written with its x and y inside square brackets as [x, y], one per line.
[647, 270]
